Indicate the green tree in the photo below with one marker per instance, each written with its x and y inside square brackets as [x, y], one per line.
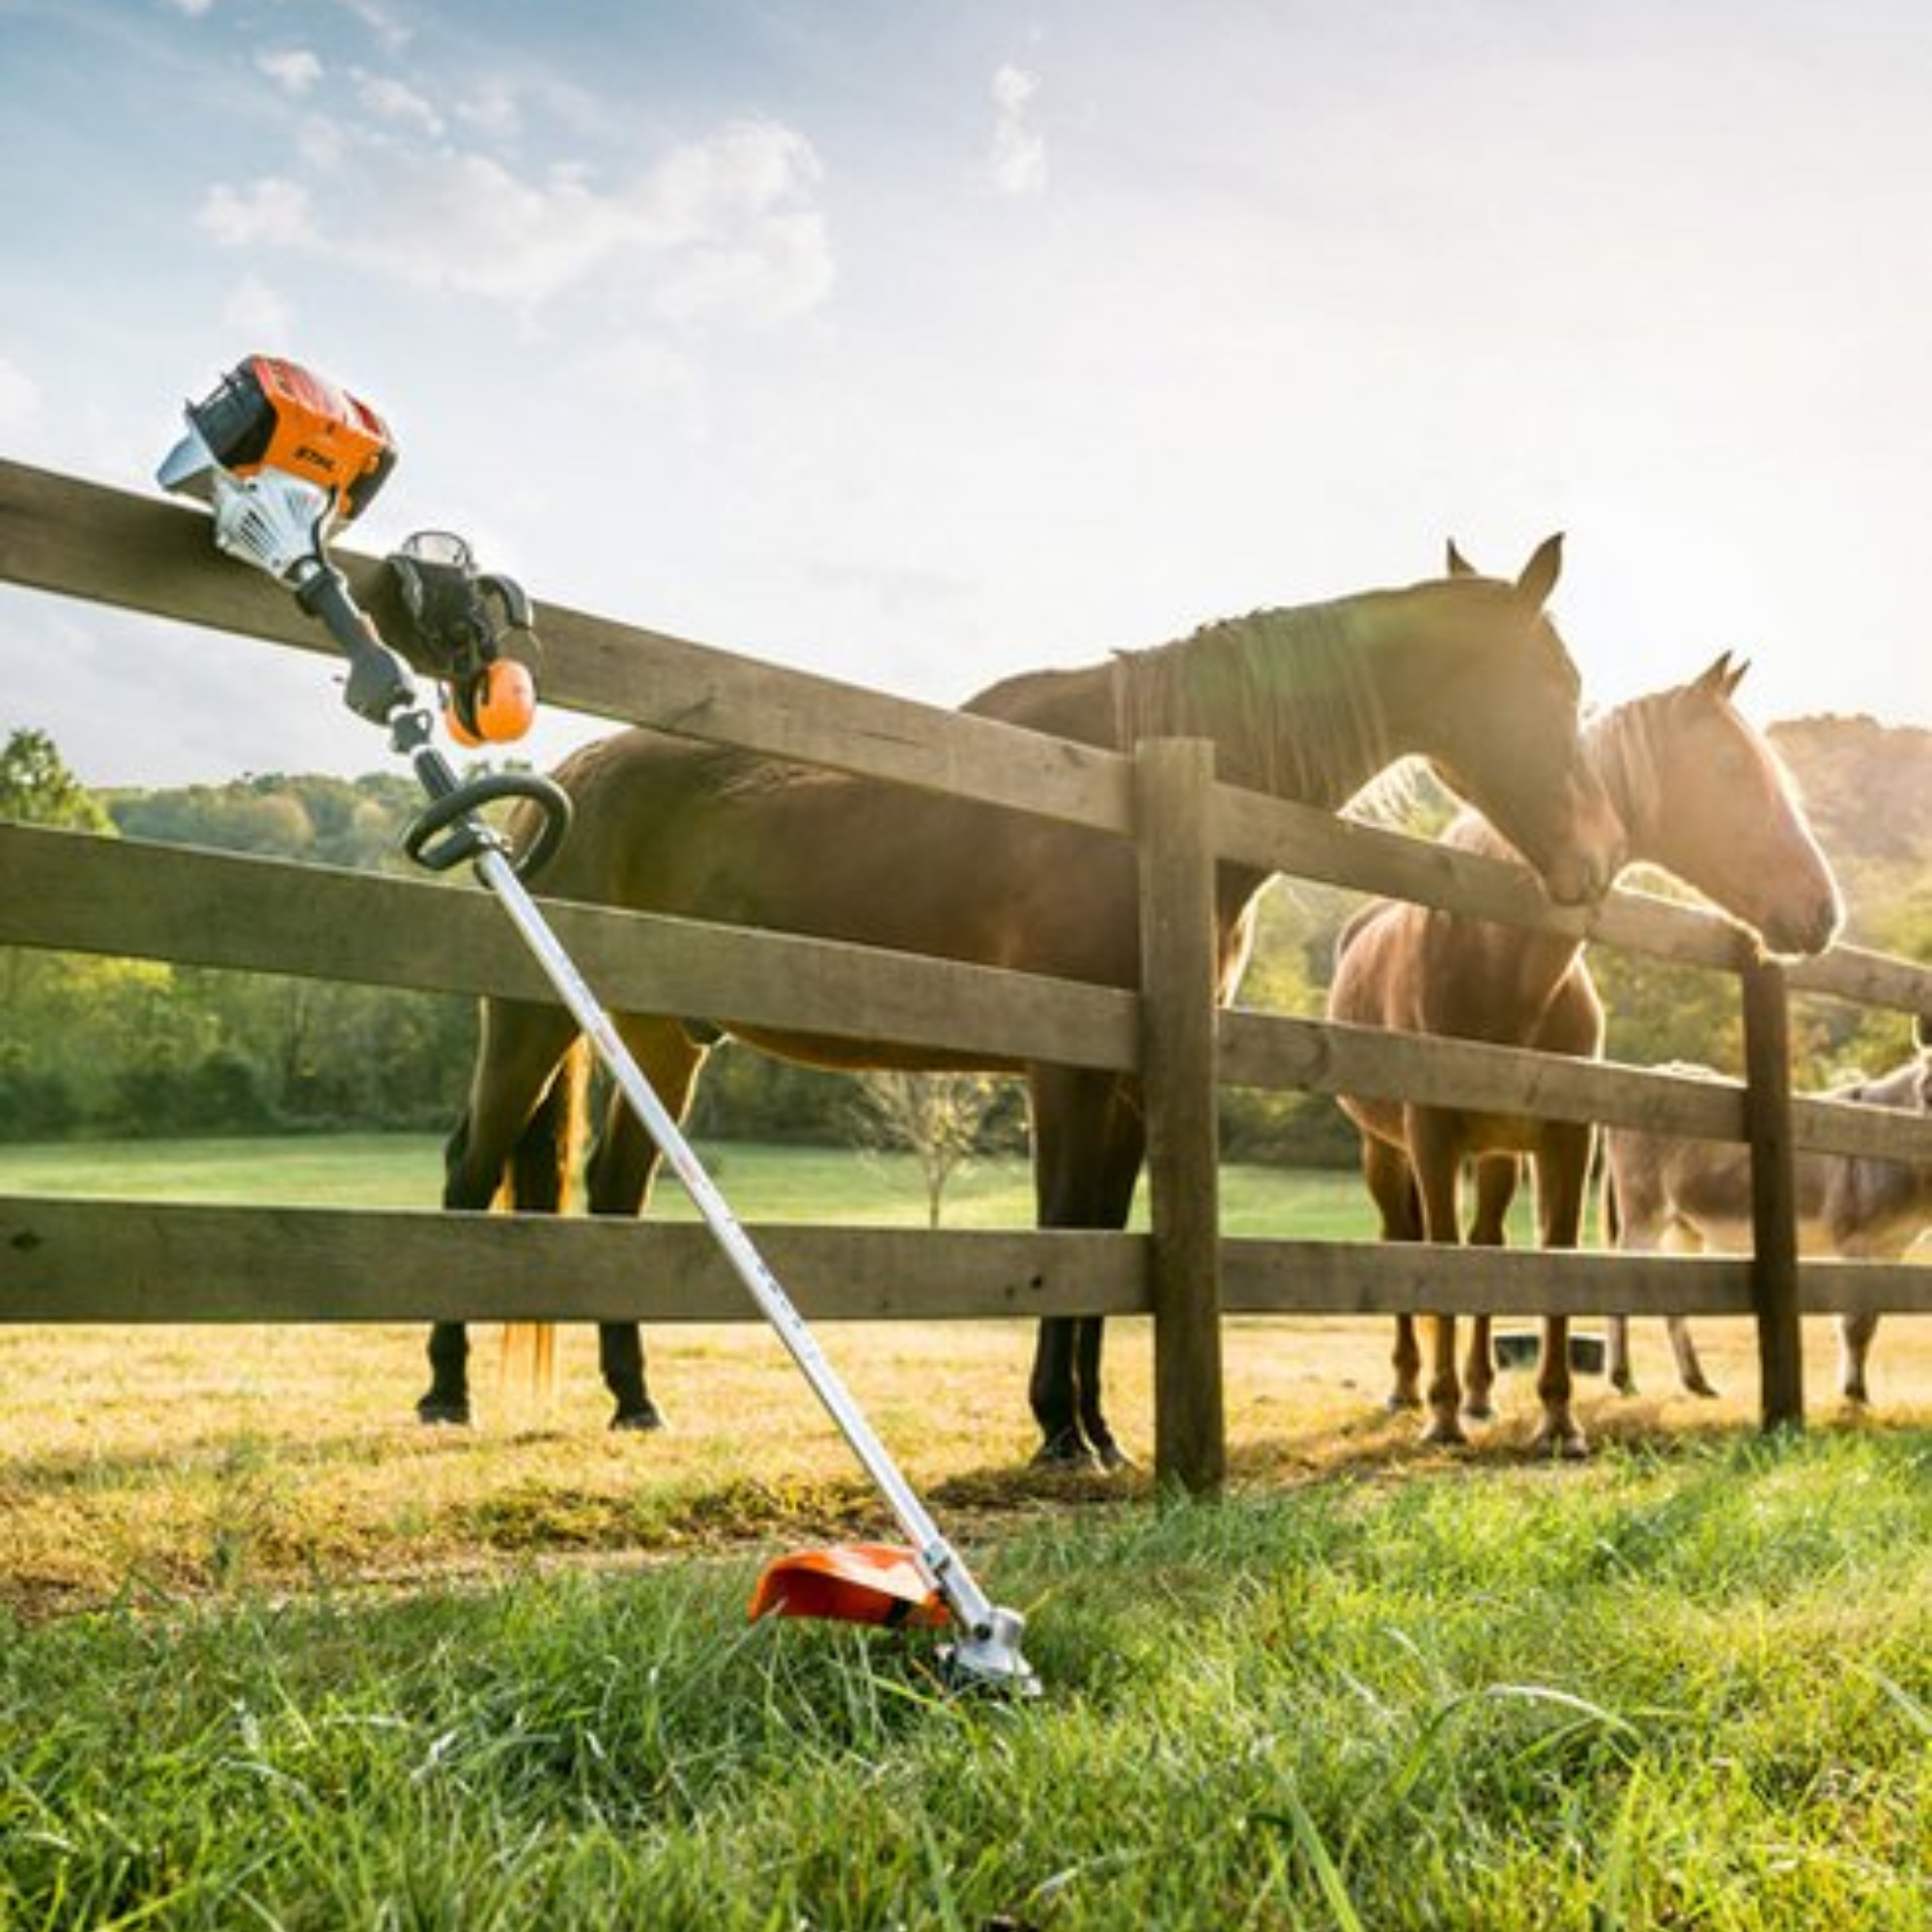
[55, 1006]
[37, 788]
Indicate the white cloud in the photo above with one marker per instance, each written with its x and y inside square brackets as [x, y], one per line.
[19, 397]
[321, 141]
[725, 228]
[261, 313]
[492, 111]
[294, 69]
[1017, 163]
[274, 211]
[397, 102]
[390, 33]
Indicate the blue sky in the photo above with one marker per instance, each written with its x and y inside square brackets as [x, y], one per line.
[916, 343]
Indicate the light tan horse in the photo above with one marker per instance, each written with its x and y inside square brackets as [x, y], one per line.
[1308, 703]
[1665, 1194]
[1702, 796]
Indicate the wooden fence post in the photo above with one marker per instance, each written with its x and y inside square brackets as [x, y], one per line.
[1173, 781]
[1781, 1349]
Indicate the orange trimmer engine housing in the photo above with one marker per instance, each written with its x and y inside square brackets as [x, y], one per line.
[271, 414]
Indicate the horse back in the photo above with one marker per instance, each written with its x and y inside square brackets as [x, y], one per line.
[1847, 1203]
[667, 824]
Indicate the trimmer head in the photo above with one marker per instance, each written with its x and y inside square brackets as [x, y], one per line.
[882, 1583]
[989, 1658]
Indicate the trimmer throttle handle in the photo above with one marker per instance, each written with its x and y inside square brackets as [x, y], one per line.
[467, 837]
[380, 683]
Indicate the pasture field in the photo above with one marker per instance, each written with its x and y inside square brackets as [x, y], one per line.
[273, 1655]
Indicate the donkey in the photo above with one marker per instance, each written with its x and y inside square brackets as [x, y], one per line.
[1308, 703]
[1701, 795]
[1685, 1195]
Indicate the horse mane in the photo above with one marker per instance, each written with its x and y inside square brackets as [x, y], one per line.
[1284, 693]
[1621, 744]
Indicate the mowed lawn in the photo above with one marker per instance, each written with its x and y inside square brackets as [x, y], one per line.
[272, 1654]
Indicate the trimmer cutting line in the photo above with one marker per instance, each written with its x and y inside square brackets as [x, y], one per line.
[285, 458]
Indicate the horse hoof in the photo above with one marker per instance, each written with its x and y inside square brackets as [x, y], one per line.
[1066, 1451]
[1399, 1402]
[1625, 1384]
[1444, 1431]
[1112, 1458]
[1701, 1387]
[645, 1418]
[1481, 1410]
[1567, 1444]
[435, 1413]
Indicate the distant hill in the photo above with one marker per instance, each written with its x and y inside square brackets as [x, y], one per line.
[1867, 787]
[1868, 792]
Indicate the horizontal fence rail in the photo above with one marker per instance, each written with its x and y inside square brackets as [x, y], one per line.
[71, 1260]
[92, 1260]
[81, 892]
[85, 540]
[86, 1259]
[77, 892]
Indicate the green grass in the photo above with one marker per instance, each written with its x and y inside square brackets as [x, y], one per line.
[762, 1182]
[1678, 1690]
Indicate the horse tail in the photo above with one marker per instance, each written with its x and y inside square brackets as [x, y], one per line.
[538, 1182]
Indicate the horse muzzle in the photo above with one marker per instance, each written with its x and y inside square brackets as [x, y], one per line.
[1803, 934]
[1582, 871]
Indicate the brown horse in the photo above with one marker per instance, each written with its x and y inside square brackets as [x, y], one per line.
[1695, 1197]
[1308, 703]
[1701, 795]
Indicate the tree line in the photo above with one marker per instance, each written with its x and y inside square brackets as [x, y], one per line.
[106, 1047]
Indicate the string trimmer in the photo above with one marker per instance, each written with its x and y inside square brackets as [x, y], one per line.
[285, 459]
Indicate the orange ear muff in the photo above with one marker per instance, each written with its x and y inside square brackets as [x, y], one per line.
[504, 701]
[495, 707]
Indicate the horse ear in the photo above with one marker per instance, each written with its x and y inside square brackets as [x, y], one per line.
[1540, 574]
[1722, 678]
[1459, 564]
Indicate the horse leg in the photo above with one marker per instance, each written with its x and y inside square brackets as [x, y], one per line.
[1690, 1370]
[1392, 1187]
[516, 1059]
[1855, 1340]
[1089, 1137]
[1496, 1178]
[622, 1166]
[1436, 1161]
[1617, 1352]
[1562, 1168]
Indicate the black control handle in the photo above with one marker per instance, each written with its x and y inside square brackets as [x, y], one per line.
[466, 837]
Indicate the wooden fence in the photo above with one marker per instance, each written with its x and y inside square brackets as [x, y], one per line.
[65, 1261]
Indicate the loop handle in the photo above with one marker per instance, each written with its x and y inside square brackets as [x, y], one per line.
[467, 837]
